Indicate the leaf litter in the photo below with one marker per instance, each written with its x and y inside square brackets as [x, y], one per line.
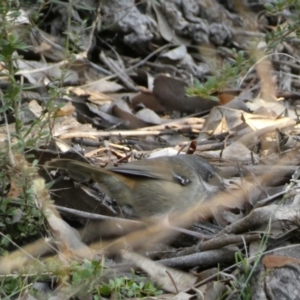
[109, 117]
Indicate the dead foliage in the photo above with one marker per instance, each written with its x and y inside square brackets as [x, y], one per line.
[124, 98]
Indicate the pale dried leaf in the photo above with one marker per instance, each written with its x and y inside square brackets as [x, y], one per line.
[105, 86]
[256, 248]
[149, 116]
[176, 53]
[36, 71]
[163, 276]
[163, 26]
[63, 147]
[164, 152]
[233, 118]
[256, 122]
[93, 96]
[21, 19]
[221, 128]
[236, 152]
[69, 124]
[35, 108]
[165, 29]
[277, 107]
[214, 290]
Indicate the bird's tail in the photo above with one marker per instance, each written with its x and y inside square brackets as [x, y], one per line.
[81, 168]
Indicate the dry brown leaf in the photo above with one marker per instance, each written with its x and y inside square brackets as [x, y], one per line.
[93, 96]
[14, 191]
[278, 261]
[171, 93]
[66, 110]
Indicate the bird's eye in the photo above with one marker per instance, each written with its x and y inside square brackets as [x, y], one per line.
[182, 180]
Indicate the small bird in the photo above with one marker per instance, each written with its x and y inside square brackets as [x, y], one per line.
[153, 186]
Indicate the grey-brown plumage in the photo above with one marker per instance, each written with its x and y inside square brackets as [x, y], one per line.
[150, 186]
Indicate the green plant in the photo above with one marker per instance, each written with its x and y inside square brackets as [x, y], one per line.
[289, 29]
[124, 287]
[241, 61]
[78, 279]
[85, 274]
[89, 275]
[224, 77]
[20, 218]
[11, 286]
[242, 284]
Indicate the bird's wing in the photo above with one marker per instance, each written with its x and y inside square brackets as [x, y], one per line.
[145, 168]
[164, 168]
